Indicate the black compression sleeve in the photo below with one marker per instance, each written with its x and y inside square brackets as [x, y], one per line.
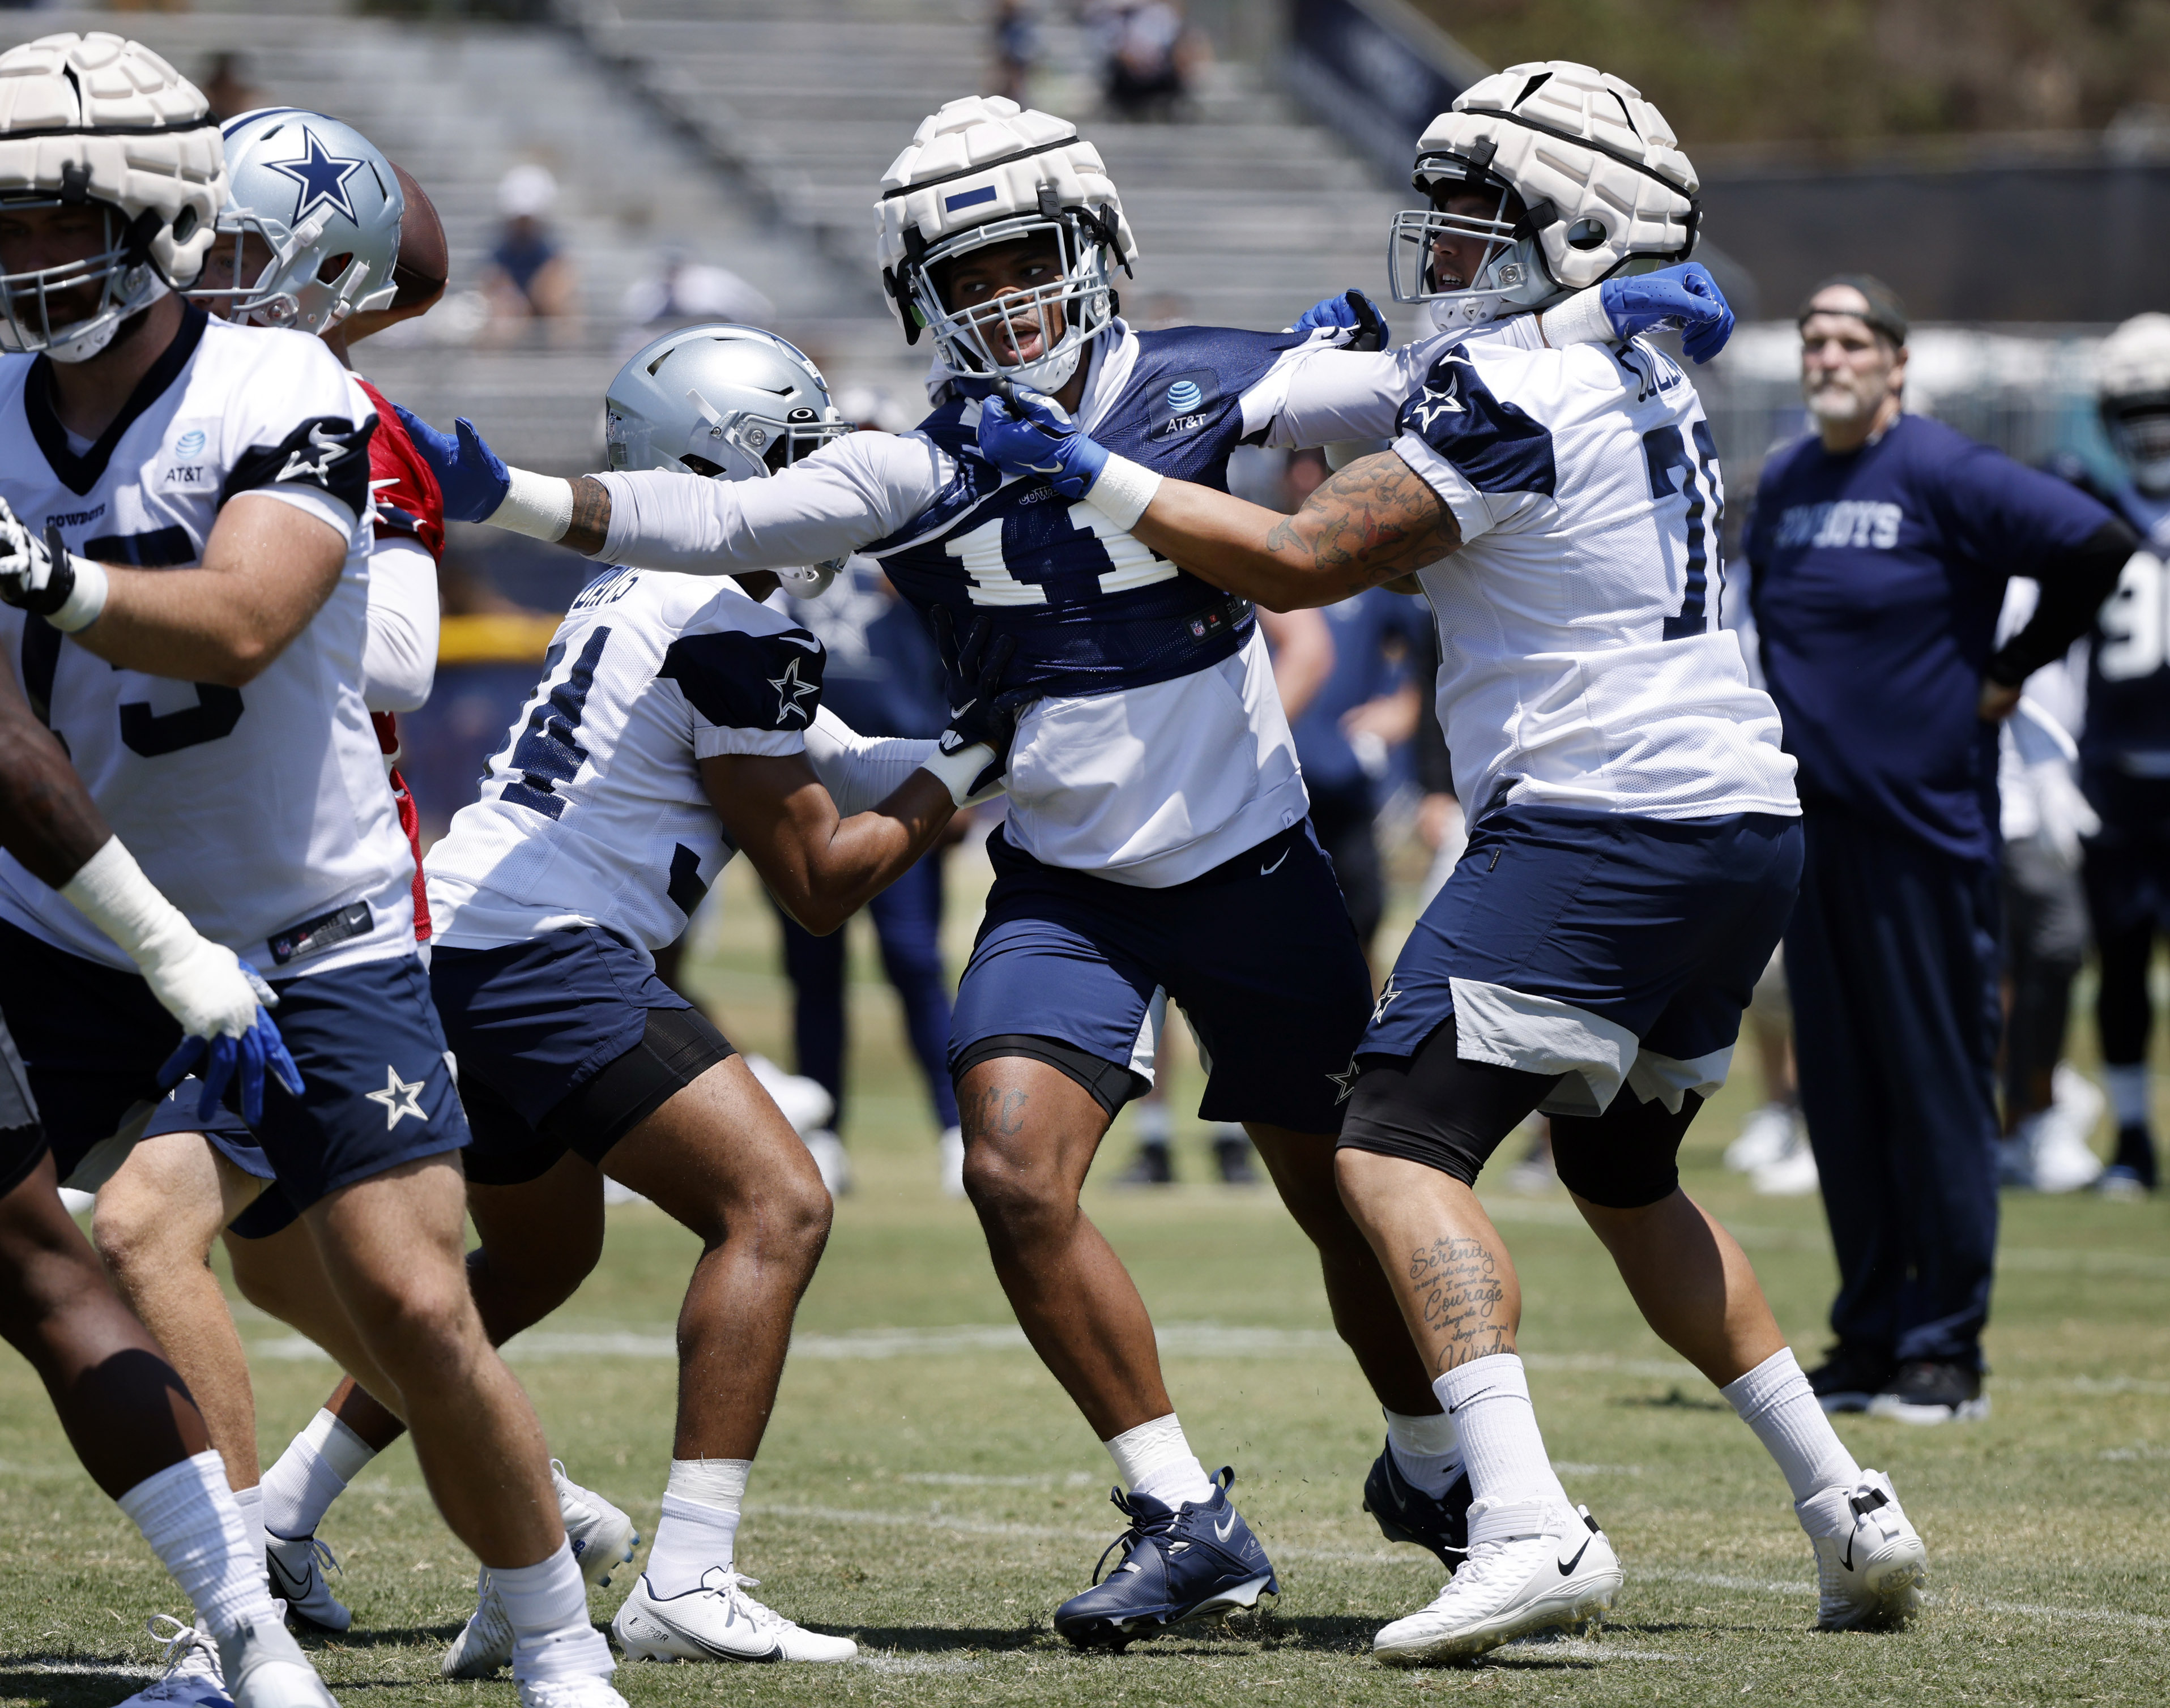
[2073, 592]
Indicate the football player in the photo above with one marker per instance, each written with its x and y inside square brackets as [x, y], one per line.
[192, 610]
[673, 726]
[1156, 812]
[1638, 847]
[127, 1413]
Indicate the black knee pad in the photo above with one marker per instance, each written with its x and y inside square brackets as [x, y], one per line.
[1435, 1108]
[1627, 1157]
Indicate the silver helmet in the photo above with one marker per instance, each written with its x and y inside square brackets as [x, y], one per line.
[324, 204]
[728, 403]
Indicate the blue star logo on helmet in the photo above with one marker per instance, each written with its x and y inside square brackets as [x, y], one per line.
[322, 177]
[1184, 395]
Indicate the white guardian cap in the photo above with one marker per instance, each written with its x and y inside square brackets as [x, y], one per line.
[1602, 188]
[984, 171]
[728, 402]
[325, 206]
[100, 121]
[2132, 386]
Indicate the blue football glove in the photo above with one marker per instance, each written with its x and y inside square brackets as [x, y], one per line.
[257, 1049]
[1685, 297]
[1351, 311]
[979, 708]
[471, 476]
[1022, 431]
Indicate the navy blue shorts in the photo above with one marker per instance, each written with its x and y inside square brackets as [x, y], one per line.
[376, 1084]
[1609, 950]
[564, 1042]
[1258, 953]
[225, 1133]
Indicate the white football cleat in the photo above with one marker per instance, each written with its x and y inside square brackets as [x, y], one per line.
[485, 1642]
[296, 1565]
[1791, 1175]
[264, 1667]
[950, 1165]
[1870, 1560]
[602, 1536]
[1765, 1136]
[718, 1621]
[594, 1691]
[1533, 1566]
[192, 1678]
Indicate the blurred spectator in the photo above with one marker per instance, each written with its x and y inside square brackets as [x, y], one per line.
[1152, 56]
[883, 677]
[228, 87]
[1017, 49]
[529, 282]
[683, 289]
[1881, 545]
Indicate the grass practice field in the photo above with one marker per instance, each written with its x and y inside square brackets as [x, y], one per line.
[926, 1488]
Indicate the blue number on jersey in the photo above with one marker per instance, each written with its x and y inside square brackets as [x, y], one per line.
[1664, 451]
[545, 751]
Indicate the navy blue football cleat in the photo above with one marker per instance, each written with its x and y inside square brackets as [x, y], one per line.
[1406, 1513]
[1178, 1562]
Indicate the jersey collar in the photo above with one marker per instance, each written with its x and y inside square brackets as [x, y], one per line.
[78, 474]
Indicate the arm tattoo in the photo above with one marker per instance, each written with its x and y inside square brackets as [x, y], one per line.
[1458, 1290]
[1375, 520]
[591, 514]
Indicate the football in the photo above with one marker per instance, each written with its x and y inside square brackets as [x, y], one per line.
[423, 260]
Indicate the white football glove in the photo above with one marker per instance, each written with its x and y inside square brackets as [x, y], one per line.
[44, 579]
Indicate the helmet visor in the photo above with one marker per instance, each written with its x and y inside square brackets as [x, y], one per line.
[1015, 331]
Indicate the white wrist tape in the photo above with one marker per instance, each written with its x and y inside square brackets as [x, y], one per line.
[1123, 491]
[86, 600]
[956, 772]
[113, 893]
[1581, 319]
[538, 505]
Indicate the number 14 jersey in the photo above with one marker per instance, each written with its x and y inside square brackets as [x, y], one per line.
[261, 811]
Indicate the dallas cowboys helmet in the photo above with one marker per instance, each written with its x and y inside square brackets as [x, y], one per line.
[325, 206]
[730, 402]
[984, 171]
[102, 122]
[1604, 189]
[2132, 388]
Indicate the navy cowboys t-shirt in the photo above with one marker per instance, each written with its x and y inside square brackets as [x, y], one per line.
[1879, 577]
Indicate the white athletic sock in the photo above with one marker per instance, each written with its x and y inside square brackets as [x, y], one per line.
[2127, 1092]
[251, 1503]
[1775, 1400]
[1489, 1400]
[552, 1636]
[1154, 1461]
[190, 1518]
[700, 1521]
[311, 1474]
[1427, 1449]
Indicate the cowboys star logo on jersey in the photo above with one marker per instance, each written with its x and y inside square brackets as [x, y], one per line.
[329, 448]
[790, 692]
[322, 176]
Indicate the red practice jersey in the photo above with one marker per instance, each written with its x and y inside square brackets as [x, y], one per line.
[408, 505]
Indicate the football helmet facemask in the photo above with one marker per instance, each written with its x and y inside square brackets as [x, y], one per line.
[1584, 180]
[325, 207]
[2132, 388]
[984, 171]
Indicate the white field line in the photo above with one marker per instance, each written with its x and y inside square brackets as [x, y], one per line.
[1961, 1602]
[59, 1666]
[1192, 1340]
[952, 1522]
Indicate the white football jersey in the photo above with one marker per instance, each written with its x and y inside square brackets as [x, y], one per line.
[592, 812]
[261, 811]
[1146, 782]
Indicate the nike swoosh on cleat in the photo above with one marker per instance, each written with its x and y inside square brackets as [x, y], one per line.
[775, 1653]
[1568, 1566]
[1846, 1559]
[1268, 871]
[1222, 1532]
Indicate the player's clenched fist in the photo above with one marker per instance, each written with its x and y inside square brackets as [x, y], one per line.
[43, 577]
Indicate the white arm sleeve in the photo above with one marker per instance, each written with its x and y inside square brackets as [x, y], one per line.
[860, 772]
[852, 492]
[399, 660]
[1327, 395]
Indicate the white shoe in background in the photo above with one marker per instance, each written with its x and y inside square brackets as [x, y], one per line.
[1792, 1174]
[264, 1667]
[806, 1104]
[1870, 1560]
[1765, 1136]
[595, 1691]
[951, 1164]
[602, 1536]
[831, 1157]
[2064, 1160]
[485, 1642]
